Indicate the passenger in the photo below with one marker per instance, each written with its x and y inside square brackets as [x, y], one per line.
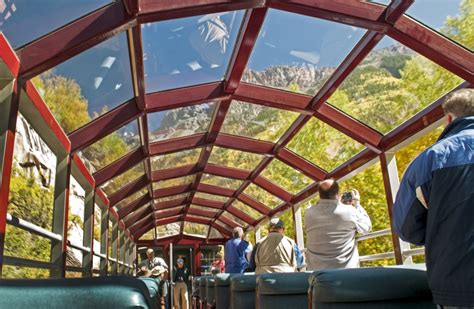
[148, 267]
[237, 252]
[164, 288]
[331, 228]
[218, 265]
[435, 205]
[275, 253]
[180, 288]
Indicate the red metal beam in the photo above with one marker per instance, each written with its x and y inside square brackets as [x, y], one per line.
[120, 166]
[201, 212]
[254, 204]
[137, 216]
[187, 96]
[249, 33]
[240, 214]
[175, 172]
[207, 203]
[243, 144]
[396, 9]
[83, 170]
[274, 189]
[221, 229]
[72, 39]
[140, 231]
[136, 61]
[171, 203]
[357, 161]
[300, 164]
[197, 220]
[224, 171]
[102, 197]
[228, 221]
[136, 204]
[104, 125]
[171, 191]
[168, 213]
[178, 144]
[9, 58]
[203, 187]
[128, 190]
[139, 224]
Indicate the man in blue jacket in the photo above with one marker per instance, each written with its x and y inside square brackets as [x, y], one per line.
[435, 205]
[237, 252]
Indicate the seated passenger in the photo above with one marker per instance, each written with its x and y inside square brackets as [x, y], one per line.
[149, 267]
[331, 228]
[237, 252]
[218, 265]
[275, 253]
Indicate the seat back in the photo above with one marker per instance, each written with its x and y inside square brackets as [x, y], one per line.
[100, 292]
[202, 288]
[210, 297]
[370, 288]
[222, 290]
[242, 291]
[282, 290]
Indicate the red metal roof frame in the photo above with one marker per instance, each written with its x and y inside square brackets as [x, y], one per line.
[129, 15]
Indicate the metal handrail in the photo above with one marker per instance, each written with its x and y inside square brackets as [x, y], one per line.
[33, 228]
[100, 255]
[415, 251]
[375, 234]
[78, 247]
[377, 256]
[16, 261]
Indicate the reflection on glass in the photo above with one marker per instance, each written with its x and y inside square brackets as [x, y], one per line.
[180, 122]
[150, 235]
[285, 58]
[452, 18]
[231, 217]
[213, 234]
[262, 196]
[208, 209]
[131, 198]
[235, 158]
[253, 213]
[172, 197]
[286, 177]
[89, 84]
[111, 147]
[221, 181]
[188, 51]
[391, 85]
[192, 228]
[213, 197]
[118, 182]
[23, 21]
[174, 182]
[323, 145]
[257, 121]
[175, 159]
[168, 229]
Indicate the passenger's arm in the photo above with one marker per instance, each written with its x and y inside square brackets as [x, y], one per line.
[362, 220]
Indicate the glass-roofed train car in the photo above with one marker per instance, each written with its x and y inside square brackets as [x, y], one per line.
[236, 154]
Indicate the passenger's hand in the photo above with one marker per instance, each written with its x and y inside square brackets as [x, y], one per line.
[355, 197]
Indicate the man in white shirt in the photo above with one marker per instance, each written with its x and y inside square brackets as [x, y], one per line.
[331, 228]
[152, 264]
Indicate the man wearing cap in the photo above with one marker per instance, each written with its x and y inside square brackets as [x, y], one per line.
[180, 289]
[275, 253]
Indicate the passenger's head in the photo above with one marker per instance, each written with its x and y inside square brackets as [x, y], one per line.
[238, 232]
[276, 225]
[219, 256]
[459, 104]
[150, 254]
[328, 189]
[180, 263]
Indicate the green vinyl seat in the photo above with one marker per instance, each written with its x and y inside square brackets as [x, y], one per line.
[153, 285]
[210, 297]
[202, 291]
[222, 290]
[242, 291]
[76, 293]
[377, 287]
[282, 290]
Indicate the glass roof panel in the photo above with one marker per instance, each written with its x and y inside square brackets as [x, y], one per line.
[452, 18]
[170, 198]
[212, 197]
[391, 85]
[262, 195]
[191, 228]
[189, 51]
[179, 122]
[253, 213]
[213, 234]
[286, 177]
[89, 84]
[131, 198]
[150, 235]
[235, 158]
[230, 216]
[175, 159]
[121, 180]
[23, 21]
[295, 62]
[221, 181]
[323, 145]
[225, 226]
[257, 121]
[168, 229]
[173, 182]
[112, 147]
[159, 212]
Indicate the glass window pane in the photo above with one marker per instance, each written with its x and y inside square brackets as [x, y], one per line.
[88, 85]
[23, 21]
[262, 196]
[188, 51]
[173, 210]
[131, 198]
[174, 182]
[391, 85]
[235, 158]
[150, 235]
[121, 180]
[230, 216]
[175, 159]
[197, 229]
[221, 181]
[180, 122]
[286, 177]
[213, 197]
[215, 234]
[295, 63]
[253, 213]
[112, 147]
[452, 18]
[171, 197]
[257, 121]
[323, 145]
[168, 229]
[75, 229]
[191, 216]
